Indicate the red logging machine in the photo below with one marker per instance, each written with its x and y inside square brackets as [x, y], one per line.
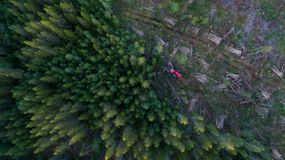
[173, 71]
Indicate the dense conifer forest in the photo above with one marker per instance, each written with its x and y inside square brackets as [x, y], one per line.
[142, 80]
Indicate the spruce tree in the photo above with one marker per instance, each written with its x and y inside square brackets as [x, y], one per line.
[14, 137]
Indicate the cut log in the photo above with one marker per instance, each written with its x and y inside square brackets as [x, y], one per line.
[233, 76]
[276, 154]
[233, 50]
[219, 87]
[194, 30]
[266, 94]
[162, 42]
[192, 104]
[204, 64]
[277, 72]
[213, 38]
[202, 78]
[138, 32]
[170, 21]
[185, 49]
[175, 50]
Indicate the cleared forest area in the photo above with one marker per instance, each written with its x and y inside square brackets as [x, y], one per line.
[231, 58]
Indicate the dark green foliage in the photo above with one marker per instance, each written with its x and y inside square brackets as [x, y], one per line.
[197, 12]
[14, 137]
[271, 10]
[85, 92]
